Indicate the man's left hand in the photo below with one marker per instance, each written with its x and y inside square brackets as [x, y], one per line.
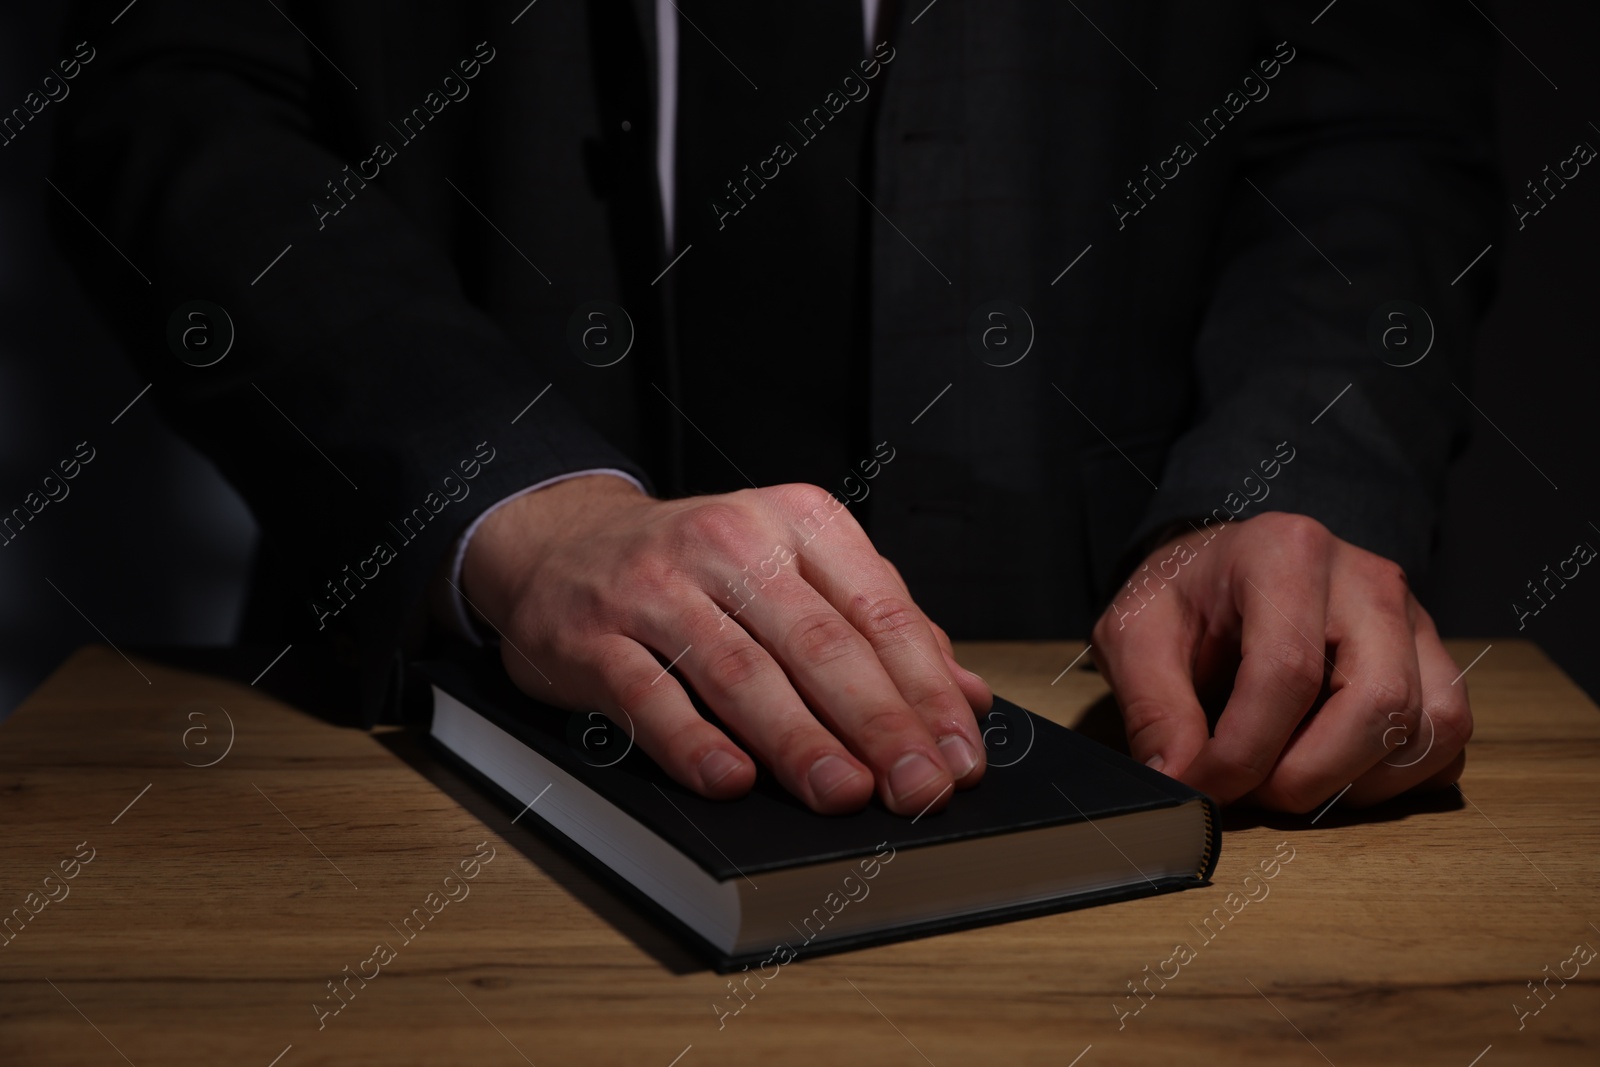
[1296, 621]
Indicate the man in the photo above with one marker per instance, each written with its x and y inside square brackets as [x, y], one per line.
[554, 318]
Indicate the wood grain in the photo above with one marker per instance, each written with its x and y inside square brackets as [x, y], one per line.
[218, 906]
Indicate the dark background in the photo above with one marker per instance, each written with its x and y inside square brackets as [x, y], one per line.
[151, 546]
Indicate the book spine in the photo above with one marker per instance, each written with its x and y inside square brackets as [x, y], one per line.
[1208, 858]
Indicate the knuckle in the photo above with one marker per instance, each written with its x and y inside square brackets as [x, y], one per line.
[811, 509]
[1452, 722]
[1392, 701]
[887, 617]
[720, 526]
[1140, 714]
[804, 498]
[823, 637]
[1300, 534]
[943, 708]
[1296, 666]
[1247, 766]
[735, 665]
[631, 689]
[1387, 581]
[1108, 629]
[881, 726]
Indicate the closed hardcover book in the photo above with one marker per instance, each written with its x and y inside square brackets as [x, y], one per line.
[1058, 822]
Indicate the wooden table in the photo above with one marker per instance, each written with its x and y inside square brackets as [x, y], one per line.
[220, 900]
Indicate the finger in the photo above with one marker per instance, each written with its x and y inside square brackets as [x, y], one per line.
[848, 689]
[848, 573]
[657, 714]
[1376, 701]
[1434, 755]
[1144, 652]
[1281, 595]
[979, 696]
[749, 692]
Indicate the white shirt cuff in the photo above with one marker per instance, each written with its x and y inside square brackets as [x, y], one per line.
[460, 619]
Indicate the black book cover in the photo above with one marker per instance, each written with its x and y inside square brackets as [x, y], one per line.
[1039, 774]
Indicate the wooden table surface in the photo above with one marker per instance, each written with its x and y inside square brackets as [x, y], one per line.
[219, 900]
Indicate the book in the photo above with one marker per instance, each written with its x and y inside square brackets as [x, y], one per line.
[1058, 822]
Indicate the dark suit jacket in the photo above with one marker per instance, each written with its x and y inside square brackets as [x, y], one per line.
[1193, 336]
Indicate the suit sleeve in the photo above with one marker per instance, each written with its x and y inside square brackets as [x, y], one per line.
[363, 389]
[1368, 180]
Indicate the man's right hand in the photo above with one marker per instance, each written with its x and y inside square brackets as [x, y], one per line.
[773, 606]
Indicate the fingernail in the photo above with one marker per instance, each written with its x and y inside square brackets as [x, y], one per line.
[716, 766]
[828, 774]
[913, 773]
[1155, 763]
[958, 753]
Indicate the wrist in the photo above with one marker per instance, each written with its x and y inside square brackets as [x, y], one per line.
[511, 542]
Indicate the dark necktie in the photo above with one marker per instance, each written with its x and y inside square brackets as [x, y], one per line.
[769, 300]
